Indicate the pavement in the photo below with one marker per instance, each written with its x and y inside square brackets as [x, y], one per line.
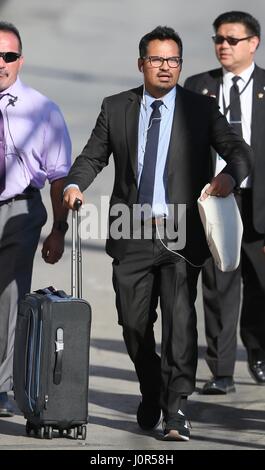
[77, 53]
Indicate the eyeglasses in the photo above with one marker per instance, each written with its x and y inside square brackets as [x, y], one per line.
[10, 56]
[172, 62]
[218, 39]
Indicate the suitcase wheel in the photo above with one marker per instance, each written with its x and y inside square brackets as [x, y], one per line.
[49, 432]
[28, 428]
[41, 432]
[38, 431]
[75, 433]
[83, 433]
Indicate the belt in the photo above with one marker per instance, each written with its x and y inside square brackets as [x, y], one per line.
[27, 194]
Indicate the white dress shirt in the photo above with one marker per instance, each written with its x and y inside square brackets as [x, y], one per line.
[160, 198]
[246, 109]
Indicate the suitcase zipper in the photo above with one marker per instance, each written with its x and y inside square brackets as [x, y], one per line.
[30, 358]
[33, 361]
[37, 370]
[46, 357]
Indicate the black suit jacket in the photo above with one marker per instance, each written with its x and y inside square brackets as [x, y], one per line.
[197, 124]
[209, 83]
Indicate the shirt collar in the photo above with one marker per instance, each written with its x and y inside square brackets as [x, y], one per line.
[168, 99]
[245, 75]
[14, 89]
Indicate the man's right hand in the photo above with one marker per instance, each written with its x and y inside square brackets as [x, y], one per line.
[70, 195]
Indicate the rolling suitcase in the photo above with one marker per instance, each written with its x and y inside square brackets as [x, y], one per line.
[51, 355]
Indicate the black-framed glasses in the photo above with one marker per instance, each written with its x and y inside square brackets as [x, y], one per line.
[156, 61]
[218, 39]
[10, 56]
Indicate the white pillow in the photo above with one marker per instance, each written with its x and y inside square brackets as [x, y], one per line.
[223, 228]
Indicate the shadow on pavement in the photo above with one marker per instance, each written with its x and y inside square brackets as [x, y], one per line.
[9, 428]
[123, 425]
[121, 402]
[215, 416]
[113, 373]
[116, 345]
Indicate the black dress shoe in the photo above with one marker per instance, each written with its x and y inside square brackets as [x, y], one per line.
[219, 386]
[148, 415]
[257, 371]
[176, 427]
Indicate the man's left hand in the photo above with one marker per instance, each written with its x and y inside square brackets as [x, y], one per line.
[221, 186]
[53, 247]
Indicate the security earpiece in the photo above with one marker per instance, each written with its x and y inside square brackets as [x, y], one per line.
[12, 101]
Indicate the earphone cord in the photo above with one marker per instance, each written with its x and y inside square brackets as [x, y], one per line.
[17, 153]
[9, 131]
[177, 254]
[174, 252]
[145, 131]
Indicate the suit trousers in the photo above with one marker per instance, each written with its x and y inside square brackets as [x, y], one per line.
[222, 300]
[20, 227]
[149, 272]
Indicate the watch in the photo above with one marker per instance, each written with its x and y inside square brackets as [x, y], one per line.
[60, 225]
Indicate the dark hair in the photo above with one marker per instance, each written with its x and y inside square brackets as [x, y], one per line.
[251, 24]
[10, 28]
[161, 33]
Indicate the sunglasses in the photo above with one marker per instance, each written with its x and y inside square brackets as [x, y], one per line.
[10, 56]
[218, 39]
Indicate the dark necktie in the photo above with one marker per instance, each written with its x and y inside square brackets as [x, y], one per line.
[235, 108]
[2, 155]
[147, 181]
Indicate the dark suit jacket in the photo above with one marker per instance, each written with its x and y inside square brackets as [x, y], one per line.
[209, 83]
[197, 124]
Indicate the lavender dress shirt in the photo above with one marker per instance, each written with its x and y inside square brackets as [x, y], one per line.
[37, 142]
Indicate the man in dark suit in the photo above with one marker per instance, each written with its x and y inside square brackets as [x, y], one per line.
[237, 36]
[160, 137]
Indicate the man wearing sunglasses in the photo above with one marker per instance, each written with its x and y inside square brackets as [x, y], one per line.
[239, 87]
[34, 146]
[161, 157]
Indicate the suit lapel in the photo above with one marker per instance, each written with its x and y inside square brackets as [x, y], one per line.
[177, 144]
[211, 85]
[131, 125]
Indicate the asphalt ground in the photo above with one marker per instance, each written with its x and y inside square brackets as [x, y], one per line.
[77, 53]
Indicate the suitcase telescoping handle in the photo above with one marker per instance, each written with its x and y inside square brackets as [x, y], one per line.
[76, 272]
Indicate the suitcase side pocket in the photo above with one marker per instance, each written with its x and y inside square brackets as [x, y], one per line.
[27, 356]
